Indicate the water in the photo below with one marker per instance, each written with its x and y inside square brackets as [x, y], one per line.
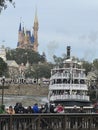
[25, 100]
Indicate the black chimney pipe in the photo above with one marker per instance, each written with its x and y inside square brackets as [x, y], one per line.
[68, 52]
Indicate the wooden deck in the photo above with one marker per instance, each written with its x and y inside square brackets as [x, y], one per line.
[49, 121]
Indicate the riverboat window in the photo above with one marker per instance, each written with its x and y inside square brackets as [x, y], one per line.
[82, 81]
[54, 81]
[59, 81]
[76, 81]
[69, 81]
[64, 80]
[53, 92]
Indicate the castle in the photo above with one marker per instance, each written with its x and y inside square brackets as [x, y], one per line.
[28, 39]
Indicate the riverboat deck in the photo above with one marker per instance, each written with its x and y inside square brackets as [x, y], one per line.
[49, 121]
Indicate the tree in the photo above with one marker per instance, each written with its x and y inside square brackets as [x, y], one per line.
[24, 55]
[38, 71]
[3, 68]
[58, 60]
[87, 66]
[95, 64]
[3, 4]
[44, 71]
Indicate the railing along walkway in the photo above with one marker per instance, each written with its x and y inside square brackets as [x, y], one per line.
[49, 121]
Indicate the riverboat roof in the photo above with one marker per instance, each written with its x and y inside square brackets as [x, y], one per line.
[72, 61]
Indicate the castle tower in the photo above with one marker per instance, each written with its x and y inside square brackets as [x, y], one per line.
[20, 36]
[35, 29]
[27, 39]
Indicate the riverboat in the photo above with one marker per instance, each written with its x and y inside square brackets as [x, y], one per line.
[68, 84]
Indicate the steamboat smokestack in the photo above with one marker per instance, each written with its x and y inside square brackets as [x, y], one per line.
[68, 52]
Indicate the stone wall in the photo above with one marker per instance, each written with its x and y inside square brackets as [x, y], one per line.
[26, 89]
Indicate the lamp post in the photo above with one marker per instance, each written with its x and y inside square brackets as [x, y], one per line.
[3, 81]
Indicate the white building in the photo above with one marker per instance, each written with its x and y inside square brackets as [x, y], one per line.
[3, 52]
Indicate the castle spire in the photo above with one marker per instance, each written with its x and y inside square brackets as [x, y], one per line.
[20, 25]
[35, 30]
[36, 18]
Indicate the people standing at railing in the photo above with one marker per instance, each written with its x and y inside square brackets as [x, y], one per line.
[80, 119]
[35, 108]
[10, 110]
[29, 110]
[19, 109]
[95, 110]
[73, 119]
[46, 108]
[59, 108]
[16, 107]
[52, 107]
[42, 109]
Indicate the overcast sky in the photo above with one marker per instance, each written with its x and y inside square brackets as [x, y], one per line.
[61, 23]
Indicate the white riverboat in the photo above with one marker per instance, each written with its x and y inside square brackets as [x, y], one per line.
[68, 85]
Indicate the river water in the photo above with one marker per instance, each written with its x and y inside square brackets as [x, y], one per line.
[25, 100]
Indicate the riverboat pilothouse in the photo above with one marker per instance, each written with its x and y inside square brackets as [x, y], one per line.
[68, 85]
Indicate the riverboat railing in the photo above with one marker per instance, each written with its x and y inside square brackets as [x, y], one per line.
[66, 75]
[68, 86]
[71, 97]
[49, 121]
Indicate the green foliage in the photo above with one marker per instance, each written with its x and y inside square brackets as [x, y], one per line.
[93, 95]
[87, 66]
[95, 64]
[23, 55]
[58, 60]
[39, 71]
[3, 68]
[3, 4]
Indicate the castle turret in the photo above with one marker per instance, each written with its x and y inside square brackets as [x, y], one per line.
[35, 29]
[20, 36]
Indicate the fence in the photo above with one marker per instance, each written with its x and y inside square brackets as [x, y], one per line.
[49, 121]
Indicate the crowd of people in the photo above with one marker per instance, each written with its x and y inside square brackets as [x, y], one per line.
[44, 108]
[20, 109]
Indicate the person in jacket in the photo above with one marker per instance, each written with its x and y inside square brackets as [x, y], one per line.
[35, 108]
[59, 108]
[29, 110]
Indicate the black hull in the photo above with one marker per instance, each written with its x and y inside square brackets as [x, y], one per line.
[71, 102]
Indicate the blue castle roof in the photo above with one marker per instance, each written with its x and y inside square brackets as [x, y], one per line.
[17, 44]
[31, 37]
[20, 27]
